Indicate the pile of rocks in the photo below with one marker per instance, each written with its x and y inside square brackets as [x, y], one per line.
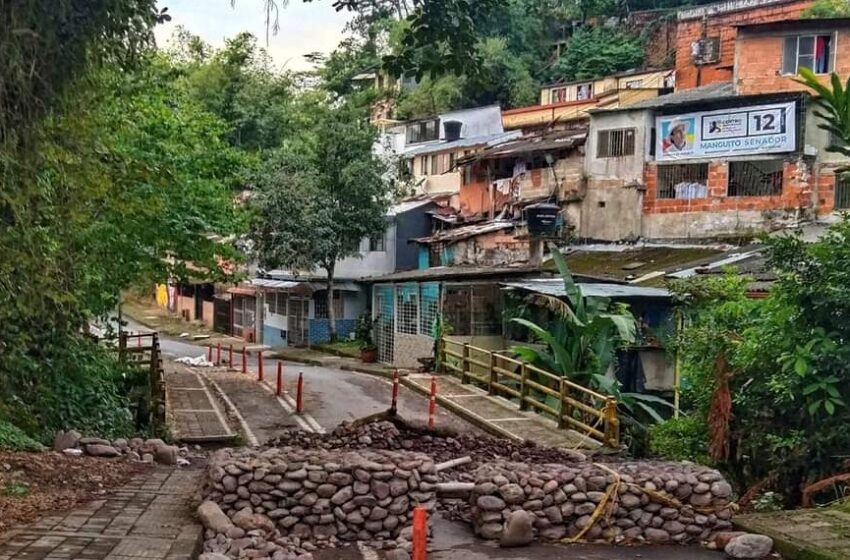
[135, 449]
[653, 502]
[285, 502]
[440, 446]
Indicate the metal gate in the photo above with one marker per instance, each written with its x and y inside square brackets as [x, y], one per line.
[296, 321]
[842, 192]
[384, 324]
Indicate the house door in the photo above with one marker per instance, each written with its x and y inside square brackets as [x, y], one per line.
[384, 324]
[842, 192]
[199, 305]
[296, 321]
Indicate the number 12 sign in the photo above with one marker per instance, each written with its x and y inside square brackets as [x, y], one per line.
[760, 129]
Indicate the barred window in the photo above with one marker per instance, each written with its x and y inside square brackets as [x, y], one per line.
[473, 310]
[321, 305]
[616, 142]
[755, 178]
[686, 180]
[277, 302]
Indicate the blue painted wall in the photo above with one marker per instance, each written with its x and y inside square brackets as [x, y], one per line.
[272, 337]
[320, 329]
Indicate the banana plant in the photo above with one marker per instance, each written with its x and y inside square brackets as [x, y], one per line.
[832, 106]
[581, 343]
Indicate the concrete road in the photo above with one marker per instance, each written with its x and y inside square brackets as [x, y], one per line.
[454, 541]
[331, 396]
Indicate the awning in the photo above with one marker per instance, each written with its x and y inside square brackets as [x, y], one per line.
[276, 284]
[242, 290]
[555, 287]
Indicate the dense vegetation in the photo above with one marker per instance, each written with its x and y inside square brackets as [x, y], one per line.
[111, 176]
[767, 380]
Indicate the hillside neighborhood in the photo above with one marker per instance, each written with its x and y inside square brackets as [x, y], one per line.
[497, 279]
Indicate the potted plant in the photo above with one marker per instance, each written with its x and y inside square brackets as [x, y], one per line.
[363, 332]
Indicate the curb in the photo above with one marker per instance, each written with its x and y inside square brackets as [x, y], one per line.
[789, 549]
[462, 412]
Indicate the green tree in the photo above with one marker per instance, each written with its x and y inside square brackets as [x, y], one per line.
[827, 9]
[593, 52]
[320, 196]
[832, 106]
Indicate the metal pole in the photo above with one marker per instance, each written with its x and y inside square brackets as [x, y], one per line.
[420, 533]
[394, 405]
[244, 360]
[230, 356]
[279, 379]
[432, 402]
[260, 375]
[218, 354]
[299, 397]
[209, 355]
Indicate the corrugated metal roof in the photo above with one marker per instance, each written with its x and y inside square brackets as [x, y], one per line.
[407, 206]
[555, 287]
[277, 284]
[442, 145]
[710, 92]
[458, 273]
[466, 232]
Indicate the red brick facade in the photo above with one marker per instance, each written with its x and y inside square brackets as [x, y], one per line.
[720, 22]
[758, 63]
[796, 192]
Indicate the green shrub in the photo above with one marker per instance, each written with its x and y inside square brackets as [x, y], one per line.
[680, 439]
[12, 437]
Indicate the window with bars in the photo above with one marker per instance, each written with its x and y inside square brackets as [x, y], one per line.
[616, 142]
[755, 178]
[473, 310]
[376, 243]
[423, 131]
[277, 302]
[807, 51]
[321, 305]
[407, 309]
[685, 180]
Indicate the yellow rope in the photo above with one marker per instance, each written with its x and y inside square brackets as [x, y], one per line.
[612, 494]
[613, 489]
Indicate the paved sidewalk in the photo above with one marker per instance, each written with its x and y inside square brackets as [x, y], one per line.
[194, 414]
[496, 414]
[803, 534]
[151, 518]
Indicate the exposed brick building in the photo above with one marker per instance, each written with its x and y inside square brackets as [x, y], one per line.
[706, 36]
[742, 153]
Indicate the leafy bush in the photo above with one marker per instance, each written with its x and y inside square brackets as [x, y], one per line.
[12, 437]
[680, 439]
[593, 52]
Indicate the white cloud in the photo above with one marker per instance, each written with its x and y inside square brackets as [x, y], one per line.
[304, 27]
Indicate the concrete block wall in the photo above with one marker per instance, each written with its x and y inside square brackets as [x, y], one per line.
[407, 348]
[320, 331]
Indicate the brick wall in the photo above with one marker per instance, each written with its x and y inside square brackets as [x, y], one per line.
[825, 190]
[719, 23]
[489, 249]
[796, 192]
[759, 63]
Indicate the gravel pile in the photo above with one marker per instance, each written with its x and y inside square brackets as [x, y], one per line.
[286, 502]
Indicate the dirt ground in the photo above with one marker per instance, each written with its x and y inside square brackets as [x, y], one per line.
[35, 483]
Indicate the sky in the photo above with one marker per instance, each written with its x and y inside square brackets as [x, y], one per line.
[304, 27]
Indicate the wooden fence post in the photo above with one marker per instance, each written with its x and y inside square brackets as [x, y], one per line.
[564, 408]
[464, 374]
[523, 387]
[612, 423]
[494, 377]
